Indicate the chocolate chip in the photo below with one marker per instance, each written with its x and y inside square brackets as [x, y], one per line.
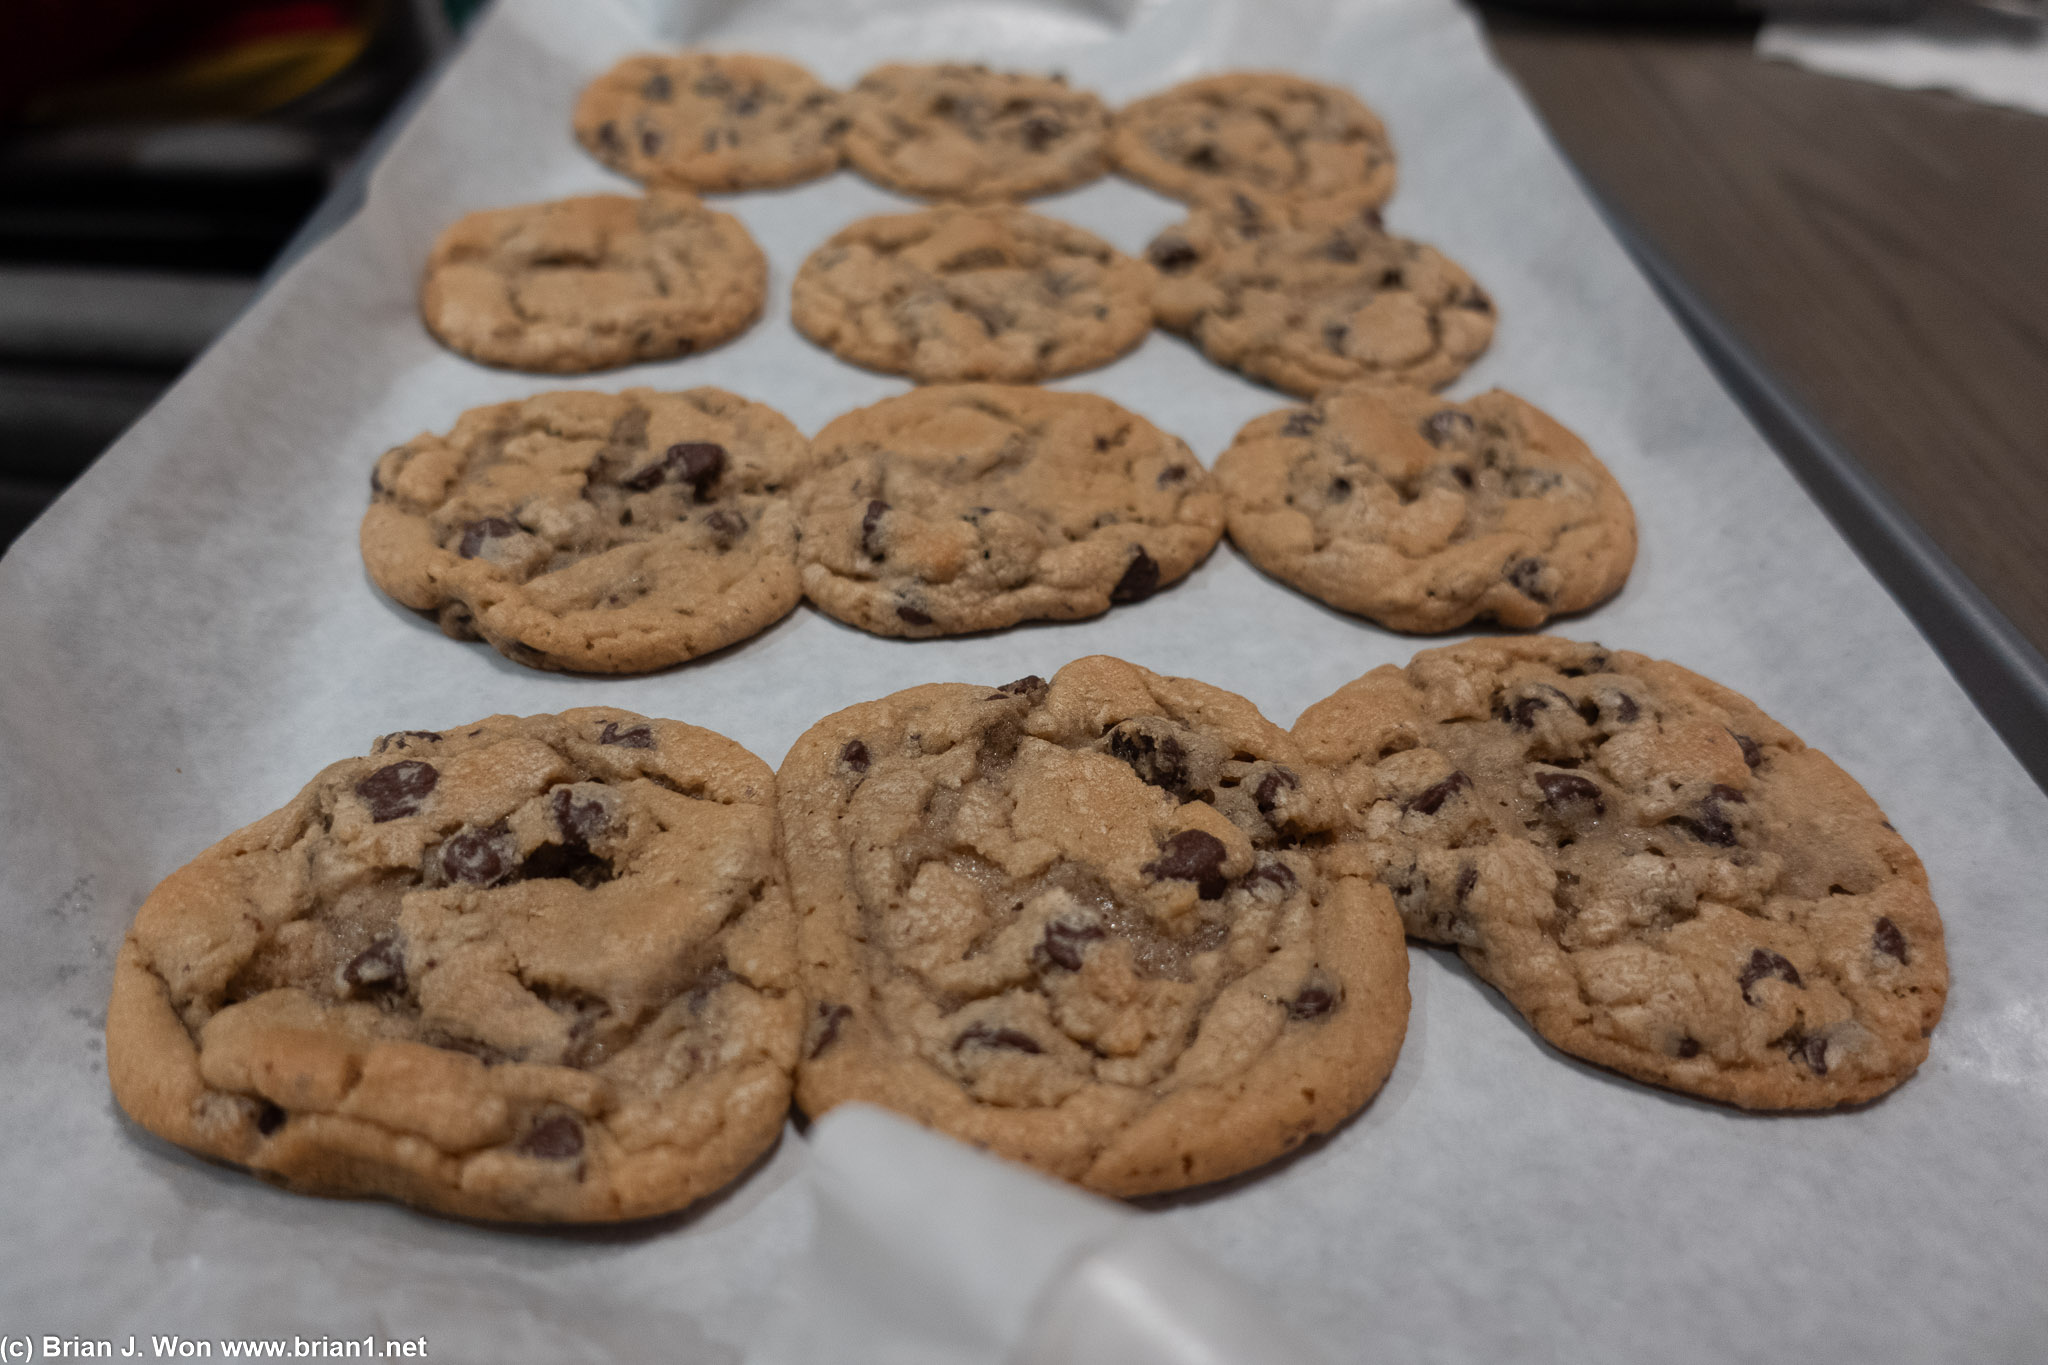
[1158, 761]
[913, 617]
[1468, 877]
[1526, 576]
[638, 737]
[1041, 130]
[1432, 799]
[1626, 711]
[727, 524]
[1710, 824]
[477, 533]
[1314, 1002]
[397, 789]
[478, 857]
[379, 967]
[981, 1035]
[1192, 855]
[1751, 754]
[1340, 489]
[1030, 685]
[650, 141]
[1300, 423]
[1688, 1047]
[1203, 158]
[1172, 474]
[1063, 944]
[1279, 874]
[554, 1139]
[1139, 582]
[830, 1018]
[1765, 963]
[1334, 334]
[608, 141]
[1566, 789]
[269, 1118]
[1267, 794]
[870, 528]
[402, 740]
[1813, 1050]
[1446, 427]
[1339, 248]
[579, 821]
[1477, 302]
[1886, 938]
[696, 463]
[658, 87]
[855, 755]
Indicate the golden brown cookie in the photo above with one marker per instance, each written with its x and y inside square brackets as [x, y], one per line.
[1425, 514]
[594, 532]
[967, 133]
[1307, 298]
[536, 969]
[1077, 925]
[965, 507]
[712, 121]
[586, 284]
[1266, 132]
[1660, 877]
[954, 294]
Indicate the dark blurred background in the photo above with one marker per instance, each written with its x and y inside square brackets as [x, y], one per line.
[155, 158]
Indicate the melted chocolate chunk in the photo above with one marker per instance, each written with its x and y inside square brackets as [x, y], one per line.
[1267, 794]
[1159, 762]
[1526, 575]
[1431, 800]
[402, 740]
[1468, 877]
[554, 1139]
[696, 463]
[1886, 938]
[912, 616]
[1751, 754]
[608, 139]
[1626, 711]
[1064, 943]
[478, 857]
[658, 87]
[1300, 423]
[1447, 427]
[1041, 131]
[1277, 874]
[1334, 334]
[477, 532]
[1765, 963]
[1813, 1050]
[579, 821]
[269, 1118]
[1172, 474]
[1030, 685]
[379, 967]
[1561, 790]
[981, 1035]
[728, 524]
[1340, 489]
[637, 737]
[1314, 1002]
[855, 755]
[1172, 255]
[1710, 824]
[830, 1019]
[1688, 1047]
[1192, 855]
[870, 529]
[1139, 582]
[397, 789]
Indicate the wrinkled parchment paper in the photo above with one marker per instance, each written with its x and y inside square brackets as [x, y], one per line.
[189, 635]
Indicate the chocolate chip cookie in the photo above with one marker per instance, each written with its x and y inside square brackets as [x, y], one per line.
[971, 507]
[536, 969]
[594, 532]
[1078, 925]
[1425, 514]
[1262, 131]
[1660, 877]
[586, 284]
[711, 121]
[971, 134]
[954, 294]
[1307, 299]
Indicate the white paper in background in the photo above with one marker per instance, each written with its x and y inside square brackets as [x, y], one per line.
[189, 635]
[1978, 54]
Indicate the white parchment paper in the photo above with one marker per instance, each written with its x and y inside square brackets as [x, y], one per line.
[189, 635]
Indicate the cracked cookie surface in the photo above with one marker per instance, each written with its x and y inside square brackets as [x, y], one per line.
[1307, 299]
[970, 507]
[711, 121]
[1268, 133]
[534, 968]
[1078, 925]
[951, 131]
[594, 532]
[586, 284]
[954, 294]
[1424, 514]
[1660, 877]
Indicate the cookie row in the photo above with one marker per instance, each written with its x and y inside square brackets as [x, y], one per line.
[736, 121]
[617, 533]
[1117, 926]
